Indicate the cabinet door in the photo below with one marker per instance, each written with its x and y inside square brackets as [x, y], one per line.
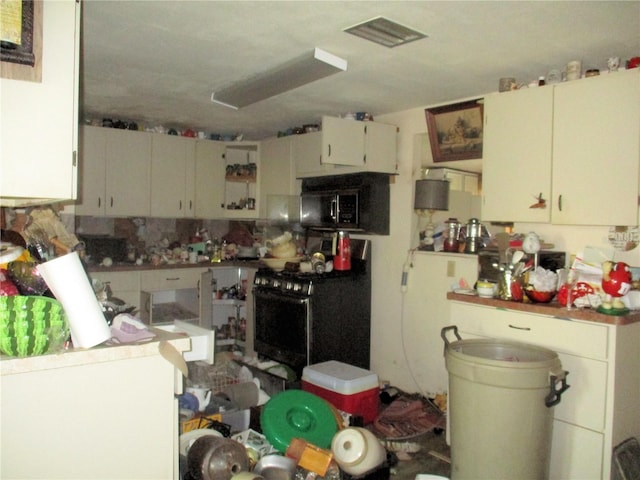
[40, 118]
[576, 453]
[209, 179]
[277, 176]
[516, 161]
[343, 141]
[596, 150]
[124, 285]
[172, 158]
[380, 147]
[128, 173]
[93, 151]
[306, 151]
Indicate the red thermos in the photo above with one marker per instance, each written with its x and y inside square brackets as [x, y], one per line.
[342, 257]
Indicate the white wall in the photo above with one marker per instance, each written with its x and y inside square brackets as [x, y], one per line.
[389, 253]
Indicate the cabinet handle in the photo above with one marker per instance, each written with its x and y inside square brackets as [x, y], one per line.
[190, 204]
[99, 202]
[180, 206]
[172, 279]
[528, 329]
[365, 159]
[111, 202]
[560, 202]
[329, 150]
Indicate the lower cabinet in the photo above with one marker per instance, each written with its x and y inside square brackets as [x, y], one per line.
[598, 411]
[110, 412]
[176, 294]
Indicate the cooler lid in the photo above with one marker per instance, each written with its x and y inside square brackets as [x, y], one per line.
[340, 377]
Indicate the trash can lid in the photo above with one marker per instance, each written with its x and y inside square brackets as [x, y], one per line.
[298, 414]
[502, 351]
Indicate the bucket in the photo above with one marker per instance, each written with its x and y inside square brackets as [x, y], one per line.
[501, 399]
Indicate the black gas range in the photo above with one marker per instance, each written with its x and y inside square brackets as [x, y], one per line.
[307, 318]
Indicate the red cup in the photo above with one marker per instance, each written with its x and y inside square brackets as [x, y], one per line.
[633, 62]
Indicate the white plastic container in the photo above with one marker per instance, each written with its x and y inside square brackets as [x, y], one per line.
[357, 450]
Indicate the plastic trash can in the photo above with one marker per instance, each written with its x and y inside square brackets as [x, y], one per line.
[501, 399]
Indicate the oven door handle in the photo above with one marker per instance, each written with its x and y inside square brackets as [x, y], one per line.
[279, 295]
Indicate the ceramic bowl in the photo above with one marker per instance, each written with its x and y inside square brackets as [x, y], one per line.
[486, 290]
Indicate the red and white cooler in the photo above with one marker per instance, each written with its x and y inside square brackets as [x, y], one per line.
[351, 389]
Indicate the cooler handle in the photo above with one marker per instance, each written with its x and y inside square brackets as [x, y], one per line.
[553, 398]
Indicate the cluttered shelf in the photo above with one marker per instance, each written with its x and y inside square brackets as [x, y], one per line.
[553, 309]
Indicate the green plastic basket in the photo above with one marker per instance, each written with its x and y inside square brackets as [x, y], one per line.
[31, 325]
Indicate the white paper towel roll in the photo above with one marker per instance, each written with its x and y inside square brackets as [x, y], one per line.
[70, 284]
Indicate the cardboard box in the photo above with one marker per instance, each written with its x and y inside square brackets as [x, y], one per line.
[351, 389]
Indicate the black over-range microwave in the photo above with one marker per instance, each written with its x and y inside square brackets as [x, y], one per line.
[355, 202]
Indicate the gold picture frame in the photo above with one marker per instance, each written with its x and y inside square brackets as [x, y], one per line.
[456, 131]
[24, 61]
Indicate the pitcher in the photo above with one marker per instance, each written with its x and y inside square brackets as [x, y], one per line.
[203, 394]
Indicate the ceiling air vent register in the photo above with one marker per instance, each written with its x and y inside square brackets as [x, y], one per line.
[385, 32]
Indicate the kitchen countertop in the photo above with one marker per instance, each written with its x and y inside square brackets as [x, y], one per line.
[98, 354]
[132, 267]
[554, 309]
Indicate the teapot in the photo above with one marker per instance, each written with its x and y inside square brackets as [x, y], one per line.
[203, 394]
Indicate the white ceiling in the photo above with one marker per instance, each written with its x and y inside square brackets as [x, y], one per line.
[157, 62]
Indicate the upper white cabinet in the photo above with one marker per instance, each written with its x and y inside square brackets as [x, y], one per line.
[306, 150]
[40, 118]
[277, 175]
[516, 163]
[209, 182]
[346, 146]
[342, 142]
[596, 150]
[172, 176]
[577, 144]
[115, 172]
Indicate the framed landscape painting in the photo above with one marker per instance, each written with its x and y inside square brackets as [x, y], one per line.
[455, 131]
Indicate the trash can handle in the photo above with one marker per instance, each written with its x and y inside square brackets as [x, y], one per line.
[554, 395]
[443, 334]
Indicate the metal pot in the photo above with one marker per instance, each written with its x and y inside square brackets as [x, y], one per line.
[216, 458]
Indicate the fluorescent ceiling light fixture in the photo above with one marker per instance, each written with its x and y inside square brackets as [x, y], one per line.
[385, 32]
[300, 71]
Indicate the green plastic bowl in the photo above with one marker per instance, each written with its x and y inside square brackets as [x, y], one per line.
[31, 325]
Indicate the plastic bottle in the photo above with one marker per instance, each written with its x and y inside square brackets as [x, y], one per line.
[216, 254]
[309, 456]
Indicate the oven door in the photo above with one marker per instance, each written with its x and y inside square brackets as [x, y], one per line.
[281, 327]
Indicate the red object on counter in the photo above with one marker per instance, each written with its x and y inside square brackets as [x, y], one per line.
[617, 282]
[633, 62]
[580, 289]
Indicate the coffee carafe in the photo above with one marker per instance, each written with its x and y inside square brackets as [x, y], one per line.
[473, 241]
[341, 251]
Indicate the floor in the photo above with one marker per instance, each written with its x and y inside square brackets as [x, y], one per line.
[432, 457]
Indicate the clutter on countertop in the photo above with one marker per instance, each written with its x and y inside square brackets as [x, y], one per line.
[125, 328]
